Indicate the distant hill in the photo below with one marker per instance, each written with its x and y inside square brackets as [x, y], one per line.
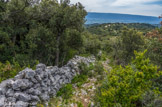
[115, 29]
[99, 18]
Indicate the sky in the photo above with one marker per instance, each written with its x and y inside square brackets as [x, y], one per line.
[137, 7]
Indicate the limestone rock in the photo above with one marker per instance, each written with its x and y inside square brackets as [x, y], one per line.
[10, 93]
[22, 97]
[21, 104]
[41, 66]
[29, 73]
[45, 97]
[2, 101]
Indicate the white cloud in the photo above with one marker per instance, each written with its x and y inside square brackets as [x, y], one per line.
[140, 7]
[131, 2]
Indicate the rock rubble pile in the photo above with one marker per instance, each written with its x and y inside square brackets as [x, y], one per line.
[31, 86]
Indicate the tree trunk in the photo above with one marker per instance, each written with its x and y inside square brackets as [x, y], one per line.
[63, 59]
[57, 51]
[14, 42]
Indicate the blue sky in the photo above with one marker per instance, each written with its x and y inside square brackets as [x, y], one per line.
[138, 7]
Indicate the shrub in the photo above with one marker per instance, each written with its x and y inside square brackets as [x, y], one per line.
[9, 71]
[86, 69]
[80, 104]
[65, 92]
[99, 68]
[125, 85]
[79, 80]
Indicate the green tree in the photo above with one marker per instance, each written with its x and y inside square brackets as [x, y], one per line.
[123, 47]
[131, 40]
[68, 18]
[46, 30]
[14, 26]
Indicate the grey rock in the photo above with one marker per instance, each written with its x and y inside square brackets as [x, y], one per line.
[34, 98]
[21, 104]
[2, 101]
[20, 75]
[43, 84]
[38, 78]
[11, 99]
[53, 92]
[22, 97]
[10, 93]
[51, 79]
[29, 73]
[57, 77]
[36, 86]
[34, 80]
[44, 97]
[48, 83]
[3, 86]
[34, 91]
[21, 84]
[33, 104]
[2, 91]
[41, 66]
[61, 81]
[54, 69]
[38, 71]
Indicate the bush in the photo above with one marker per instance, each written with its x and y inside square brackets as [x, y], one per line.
[65, 92]
[123, 47]
[80, 104]
[9, 71]
[79, 80]
[86, 69]
[125, 85]
[98, 68]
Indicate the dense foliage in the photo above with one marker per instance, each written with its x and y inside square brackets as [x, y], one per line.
[9, 71]
[45, 30]
[66, 91]
[125, 86]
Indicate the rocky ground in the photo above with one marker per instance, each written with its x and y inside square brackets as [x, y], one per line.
[82, 96]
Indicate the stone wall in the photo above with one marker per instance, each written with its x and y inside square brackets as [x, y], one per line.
[31, 86]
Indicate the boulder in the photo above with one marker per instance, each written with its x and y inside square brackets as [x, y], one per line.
[3, 86]
[21, 104]
[29, 73]
[33, 104]
[41, 66]
[44, 97]
[38, 78]
[34, 80]
[54, 69]
[22, 97]
[21, 84]
[34, 98]
[33, 91]
[10, 93]
[2, 100]
[11, 99]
